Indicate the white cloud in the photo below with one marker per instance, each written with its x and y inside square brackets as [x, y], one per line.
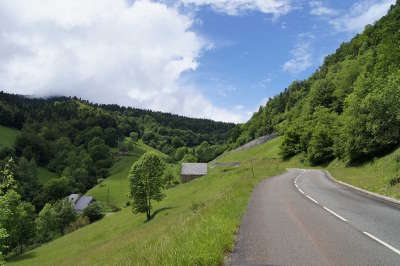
[361, 14]
[104, 51]
[236, 7]
[301, 55]
[318, 9]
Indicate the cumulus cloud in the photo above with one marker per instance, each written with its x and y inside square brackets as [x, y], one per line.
[361, 14]
[301, 55]
[105, 51]
[355, 18]
[236, 7]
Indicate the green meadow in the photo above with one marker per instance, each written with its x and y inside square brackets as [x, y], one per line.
[7, 136]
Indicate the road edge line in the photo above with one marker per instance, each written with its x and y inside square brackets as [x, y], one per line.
[382, 243]
[383, 199]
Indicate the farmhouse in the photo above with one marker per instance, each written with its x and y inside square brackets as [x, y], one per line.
[191, 171]
[80, 202]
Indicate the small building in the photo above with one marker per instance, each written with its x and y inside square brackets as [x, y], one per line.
[191, 171]
[80, 202]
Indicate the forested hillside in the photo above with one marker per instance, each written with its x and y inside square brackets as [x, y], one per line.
[348, 109]
[83, 144]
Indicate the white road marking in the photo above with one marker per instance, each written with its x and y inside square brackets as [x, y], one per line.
[301, 191]
[335, 214]
[313, 200]
[383, 243]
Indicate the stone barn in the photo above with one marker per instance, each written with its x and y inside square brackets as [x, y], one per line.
[191, 171]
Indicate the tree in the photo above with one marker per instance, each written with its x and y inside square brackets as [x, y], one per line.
[17, 217]
[53, 220]
[94, 212]
[180, 153]
[47, 224]
[146, 182]
[3, 246]
[7, 177]
[56, 188]
[28, 181]
[189, 158]
[66, 214]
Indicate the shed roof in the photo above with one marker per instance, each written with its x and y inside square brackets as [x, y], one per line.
[194, 169]
[83, 202]
[80, 202]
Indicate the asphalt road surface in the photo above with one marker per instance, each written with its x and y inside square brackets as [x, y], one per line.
[304, 218]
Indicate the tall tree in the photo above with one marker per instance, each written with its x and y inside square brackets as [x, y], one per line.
[146, 182]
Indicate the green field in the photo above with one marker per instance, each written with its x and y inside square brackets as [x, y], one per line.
[194, 225]
[7, 136]
[114, 190]
[45, 175]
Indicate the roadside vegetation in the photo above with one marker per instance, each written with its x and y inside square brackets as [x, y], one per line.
[347, 110]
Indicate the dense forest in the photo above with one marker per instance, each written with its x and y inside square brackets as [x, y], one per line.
[348, 109]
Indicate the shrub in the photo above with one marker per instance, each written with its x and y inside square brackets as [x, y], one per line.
[79, 223]
[94, 212]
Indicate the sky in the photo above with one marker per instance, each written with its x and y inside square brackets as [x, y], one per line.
[217, 59]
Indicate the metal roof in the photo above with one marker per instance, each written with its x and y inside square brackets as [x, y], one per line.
[83, 202]
[80, 202]
[194, 169]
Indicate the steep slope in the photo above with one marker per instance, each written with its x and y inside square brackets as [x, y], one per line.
[194, 225]
[348, 108]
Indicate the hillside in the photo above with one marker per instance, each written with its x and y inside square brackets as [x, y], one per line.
[348, 109]
[114, 190]
[7, 136]
[195, 224]
[197, 221]
[52, 148]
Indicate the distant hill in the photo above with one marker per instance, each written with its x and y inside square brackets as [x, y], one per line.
[348, 109]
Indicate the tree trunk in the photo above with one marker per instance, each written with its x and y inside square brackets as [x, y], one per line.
[148, 215]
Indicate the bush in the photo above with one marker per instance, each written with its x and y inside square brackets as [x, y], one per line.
[79, 223]
[94, 212]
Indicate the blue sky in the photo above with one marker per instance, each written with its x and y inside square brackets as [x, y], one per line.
[247, 64]
[218, 59]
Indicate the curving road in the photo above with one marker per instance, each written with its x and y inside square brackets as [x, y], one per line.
[304, 218]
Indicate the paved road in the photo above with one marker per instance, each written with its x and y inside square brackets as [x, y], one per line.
[315, 221]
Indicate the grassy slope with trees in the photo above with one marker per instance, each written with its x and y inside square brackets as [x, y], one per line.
[81, 142]
[196, 222]
[7, 139]
[113, 192]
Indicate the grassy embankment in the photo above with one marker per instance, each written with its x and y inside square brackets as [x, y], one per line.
[195, 224]
[372, 175]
